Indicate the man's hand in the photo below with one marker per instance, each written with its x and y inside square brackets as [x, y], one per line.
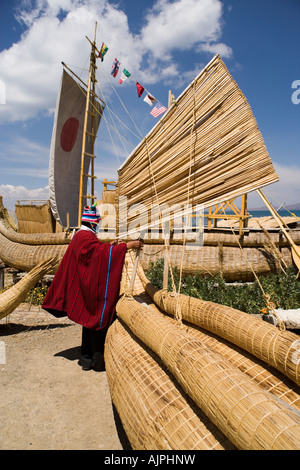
[135, 245]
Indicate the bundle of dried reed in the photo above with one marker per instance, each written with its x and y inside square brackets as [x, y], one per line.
[247, 415]
[33, 218]
[279, 349]
[61, 238]
[233, 263]
[265, 376]
[205, 150]
[26, 257]
[154, 410]
[11, 298]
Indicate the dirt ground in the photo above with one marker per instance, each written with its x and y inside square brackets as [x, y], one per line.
[47, 401]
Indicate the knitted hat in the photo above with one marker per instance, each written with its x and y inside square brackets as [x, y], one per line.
[91, 214]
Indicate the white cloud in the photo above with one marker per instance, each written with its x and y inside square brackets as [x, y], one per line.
[218, 48]
[23, 149]
[181, 25]
[56, 30]
[11, 194]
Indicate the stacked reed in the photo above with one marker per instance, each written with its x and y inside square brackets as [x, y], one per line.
[262, 340]
[232, 262]
[247, 415]
[205, 150]
[252, 405]
[155, 411]
[34, 218]
[26, 257]
[11, 298]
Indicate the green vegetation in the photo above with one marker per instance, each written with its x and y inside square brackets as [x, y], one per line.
[36, 296]
[284, 289]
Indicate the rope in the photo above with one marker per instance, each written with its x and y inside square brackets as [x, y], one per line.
[270, 305]
[178, 314]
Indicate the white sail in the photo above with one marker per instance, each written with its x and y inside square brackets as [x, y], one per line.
[66, 150]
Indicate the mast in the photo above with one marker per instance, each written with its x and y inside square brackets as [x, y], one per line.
[89, 131]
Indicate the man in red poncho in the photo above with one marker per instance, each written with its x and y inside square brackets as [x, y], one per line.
[86, 286]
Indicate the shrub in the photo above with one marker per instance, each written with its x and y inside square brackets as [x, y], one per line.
[284, 289]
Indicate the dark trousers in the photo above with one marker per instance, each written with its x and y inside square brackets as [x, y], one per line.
[92, 341]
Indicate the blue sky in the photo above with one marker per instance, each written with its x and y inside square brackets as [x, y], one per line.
[164, 44]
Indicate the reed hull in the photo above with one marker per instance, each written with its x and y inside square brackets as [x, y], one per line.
[231, 262]
[155, 412]
[222, 251]
[237, 406]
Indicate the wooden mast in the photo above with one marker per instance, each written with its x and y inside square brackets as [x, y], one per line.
[89, 133]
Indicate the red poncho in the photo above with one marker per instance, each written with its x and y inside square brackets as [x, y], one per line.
[87, 283]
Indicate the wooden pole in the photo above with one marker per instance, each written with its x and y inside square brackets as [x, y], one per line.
[90, 93]
[295, 248]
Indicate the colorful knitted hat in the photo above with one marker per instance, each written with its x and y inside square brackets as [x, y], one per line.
[91, 214]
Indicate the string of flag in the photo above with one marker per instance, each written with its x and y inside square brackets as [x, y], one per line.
[158, 108]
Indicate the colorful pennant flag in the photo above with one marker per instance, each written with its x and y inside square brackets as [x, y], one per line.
[103, 51]
[149, 99]
[158, 110]
[140, 89]
[115, 68]
[124, 76]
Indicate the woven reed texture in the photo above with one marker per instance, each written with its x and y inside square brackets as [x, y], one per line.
[35, 218]
[249, 417]
[263, 340]
[11, 298]
[26, 257]
[265, 376]
[35, 238]
[154, 410]
[231, 262]
[262, 374]
[256, 239]
[255, 222]
[108, 196]
[205, 150]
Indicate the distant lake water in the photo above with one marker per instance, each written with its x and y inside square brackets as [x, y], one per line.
[282, 213]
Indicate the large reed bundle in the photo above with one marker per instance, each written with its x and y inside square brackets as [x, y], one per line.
[59, 238]
[257, 239]
[250, 417]
[263, 340]
[205, 150]
[33, 218]
[263, 375]
[26, 257]
[154, 410]
[11, 298]
[233, 263]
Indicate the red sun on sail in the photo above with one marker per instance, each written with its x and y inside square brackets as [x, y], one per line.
[69, 134]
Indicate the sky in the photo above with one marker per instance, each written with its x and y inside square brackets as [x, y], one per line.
[164, 44]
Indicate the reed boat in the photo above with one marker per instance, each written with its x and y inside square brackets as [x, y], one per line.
[178, 386]
[184, 374]
[222, 250]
